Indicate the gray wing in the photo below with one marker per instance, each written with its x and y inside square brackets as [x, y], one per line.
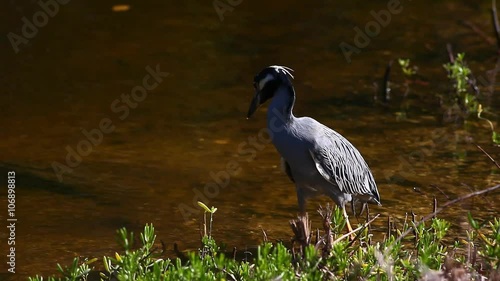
[286, 168]
[340, 163]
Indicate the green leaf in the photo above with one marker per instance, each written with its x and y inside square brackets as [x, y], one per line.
[205, 207]
[473, 223]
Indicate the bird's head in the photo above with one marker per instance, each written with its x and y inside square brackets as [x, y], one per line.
[267, 82]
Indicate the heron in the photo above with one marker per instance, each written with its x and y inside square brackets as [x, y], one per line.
[317, 159]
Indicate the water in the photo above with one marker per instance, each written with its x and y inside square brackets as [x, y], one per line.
[160, 156]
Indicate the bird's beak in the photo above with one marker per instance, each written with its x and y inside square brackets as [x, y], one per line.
[254, 105]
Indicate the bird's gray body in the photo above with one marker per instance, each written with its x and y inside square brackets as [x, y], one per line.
[316, 158]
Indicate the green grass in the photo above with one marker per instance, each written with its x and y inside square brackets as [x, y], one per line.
[331, 257]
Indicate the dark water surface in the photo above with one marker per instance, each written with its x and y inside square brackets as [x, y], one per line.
[162, 155]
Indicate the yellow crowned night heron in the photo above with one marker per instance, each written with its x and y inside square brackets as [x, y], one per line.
[316, 158]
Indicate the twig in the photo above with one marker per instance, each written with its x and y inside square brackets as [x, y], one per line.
[444, 206]
[474, 256]
[470, 244]
[414, 220]
[479, 32]
[472, 190]
[179, 254]
[370, 226]
[326, 214]
[360, 232]
[487, 155]
[494, 18]
[471, 80]
[450, 53]
[229, 274]
[355, 230]
[163, 247]
[389, 226]
[440, 190]
[368, 216]
[301, 228]
[434, 209]
[264, 235]
[386, 83]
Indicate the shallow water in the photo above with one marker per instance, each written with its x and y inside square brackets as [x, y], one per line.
[160, 157]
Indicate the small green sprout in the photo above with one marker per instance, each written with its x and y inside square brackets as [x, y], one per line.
[408, 71]
[205, 207]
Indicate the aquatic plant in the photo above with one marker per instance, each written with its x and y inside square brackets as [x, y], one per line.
[408, 71]
[422, 254]
[460, 76]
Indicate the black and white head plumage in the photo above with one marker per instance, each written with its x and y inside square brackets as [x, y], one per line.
[267, 82]
[284, 69]
[273, 74]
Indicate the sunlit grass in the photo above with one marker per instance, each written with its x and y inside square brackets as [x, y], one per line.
[421, 253]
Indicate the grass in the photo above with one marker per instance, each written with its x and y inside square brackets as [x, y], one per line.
[423, 254]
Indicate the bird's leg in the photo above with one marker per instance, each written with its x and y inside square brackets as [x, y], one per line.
[349, 228]
[353, 206]
[301, 200]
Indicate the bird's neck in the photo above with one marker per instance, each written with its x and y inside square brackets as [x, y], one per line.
[280, 109]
